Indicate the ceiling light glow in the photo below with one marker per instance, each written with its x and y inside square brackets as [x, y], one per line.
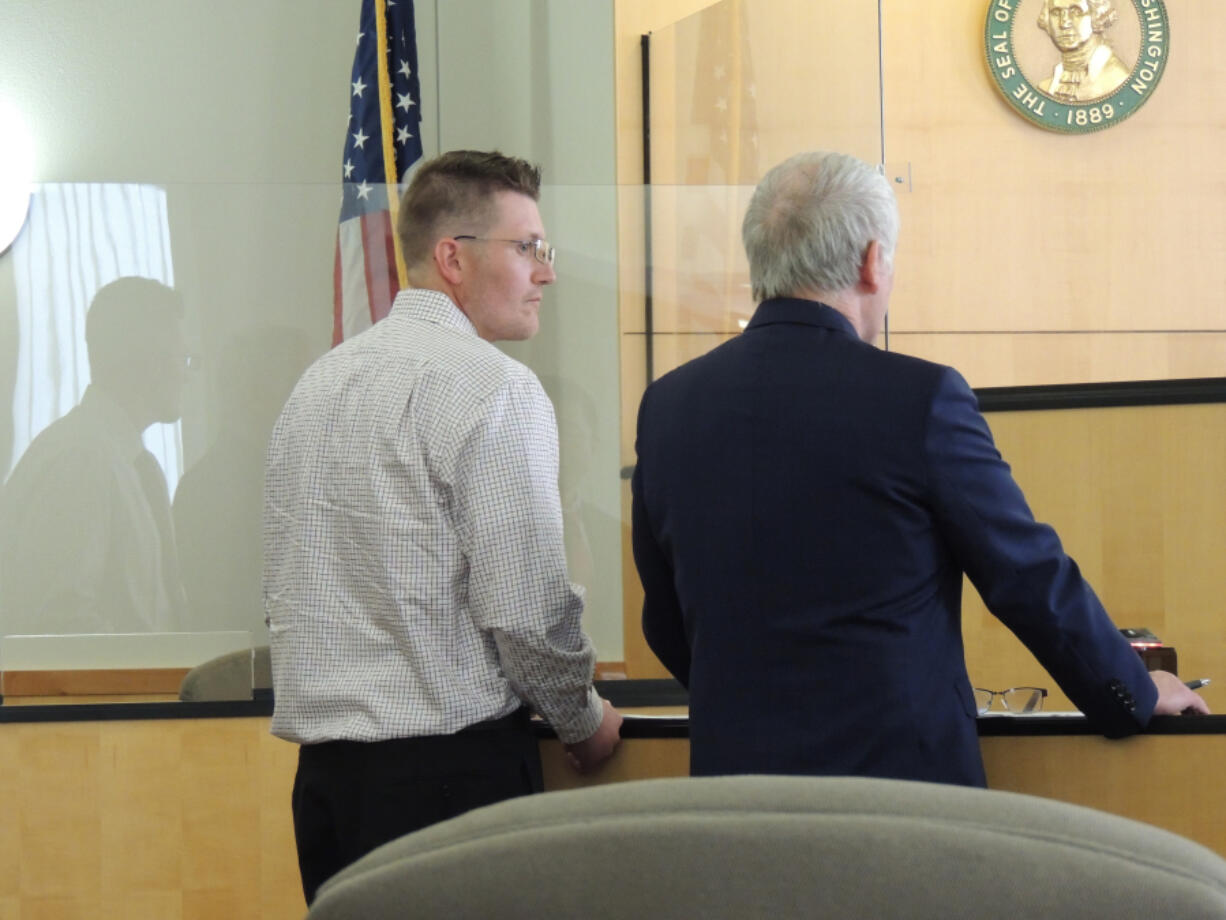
[16, 173]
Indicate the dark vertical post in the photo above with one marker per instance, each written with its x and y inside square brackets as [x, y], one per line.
[881, 119]
[648, 319]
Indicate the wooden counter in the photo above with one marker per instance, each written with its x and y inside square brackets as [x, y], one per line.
[180, 811]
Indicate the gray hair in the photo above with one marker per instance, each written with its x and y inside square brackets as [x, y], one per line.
[810, 221]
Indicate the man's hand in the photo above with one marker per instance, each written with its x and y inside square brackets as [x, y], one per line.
[590, 753]
[1174, 698]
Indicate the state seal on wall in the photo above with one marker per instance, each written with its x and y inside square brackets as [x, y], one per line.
[1076, 66]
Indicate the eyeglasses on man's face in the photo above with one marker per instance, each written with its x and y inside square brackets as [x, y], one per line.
[1016, 699]
[540, 249]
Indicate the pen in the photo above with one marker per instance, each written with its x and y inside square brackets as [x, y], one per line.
[1197, 684]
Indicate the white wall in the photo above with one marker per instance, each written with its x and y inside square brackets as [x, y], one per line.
[237, 109]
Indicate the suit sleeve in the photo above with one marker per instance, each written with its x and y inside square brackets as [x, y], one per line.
[1022, 572]
[663, 625]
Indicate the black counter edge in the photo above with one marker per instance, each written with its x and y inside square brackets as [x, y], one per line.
[621, 693]
[112, 712]
[625, 694]
[1103, 395]
[1178, 392]
[655, 692]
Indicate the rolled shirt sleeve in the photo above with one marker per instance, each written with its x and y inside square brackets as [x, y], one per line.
[509, 519]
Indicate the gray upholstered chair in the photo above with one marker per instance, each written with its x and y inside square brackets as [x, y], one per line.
[781, 847]
[232, 676]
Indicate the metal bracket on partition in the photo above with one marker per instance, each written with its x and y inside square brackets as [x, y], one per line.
[899, 175]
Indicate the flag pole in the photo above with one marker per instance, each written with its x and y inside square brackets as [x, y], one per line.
[389, 139]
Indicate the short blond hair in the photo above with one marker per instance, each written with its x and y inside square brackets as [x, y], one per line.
[454, 193]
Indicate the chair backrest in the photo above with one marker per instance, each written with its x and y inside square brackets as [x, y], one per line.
[232, 676]
[781, 847]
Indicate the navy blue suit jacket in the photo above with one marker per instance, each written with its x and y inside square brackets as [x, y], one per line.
[805, 506]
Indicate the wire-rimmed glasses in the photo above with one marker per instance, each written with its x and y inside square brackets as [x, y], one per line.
[540, 249]
[1018, 700]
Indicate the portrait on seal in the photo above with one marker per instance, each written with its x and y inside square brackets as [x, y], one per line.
[1089, 67]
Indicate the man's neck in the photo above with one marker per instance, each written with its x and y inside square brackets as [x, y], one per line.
[845, 302]
[426, 280]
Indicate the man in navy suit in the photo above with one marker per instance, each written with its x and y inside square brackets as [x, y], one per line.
[805, 506]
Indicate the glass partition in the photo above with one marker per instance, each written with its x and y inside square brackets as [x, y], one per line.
[205, 666]
[1025, 257]
[133, 422]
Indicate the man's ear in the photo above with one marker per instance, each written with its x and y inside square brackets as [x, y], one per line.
[872, 268]
[447, 260]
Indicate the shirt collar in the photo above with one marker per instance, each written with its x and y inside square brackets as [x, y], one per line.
[429, 306]
[795, 311]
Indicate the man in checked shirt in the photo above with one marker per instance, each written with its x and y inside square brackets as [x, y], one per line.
[415, 581]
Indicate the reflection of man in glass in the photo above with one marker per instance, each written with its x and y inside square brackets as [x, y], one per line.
[1089, 68]
[86, 541]
[219, 502]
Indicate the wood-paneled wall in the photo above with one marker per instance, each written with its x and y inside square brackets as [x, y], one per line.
[1026, 257]
[1158, 779]
[190, 819]
[147, 820]
[1138, 496]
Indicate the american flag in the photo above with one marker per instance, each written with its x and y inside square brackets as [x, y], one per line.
[382, 142]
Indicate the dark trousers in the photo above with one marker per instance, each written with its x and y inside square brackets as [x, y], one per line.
[352, 796]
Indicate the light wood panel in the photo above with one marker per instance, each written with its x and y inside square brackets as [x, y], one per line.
[173, 820]
[102, 681]
[1138, 496]
[640, 758]
[190, 820]
[744, 84]
[641, 662]
[700, 277]
[1006, 359]
[1026, 257]
[631, 20]
[1009, 227]
[1158, 779]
